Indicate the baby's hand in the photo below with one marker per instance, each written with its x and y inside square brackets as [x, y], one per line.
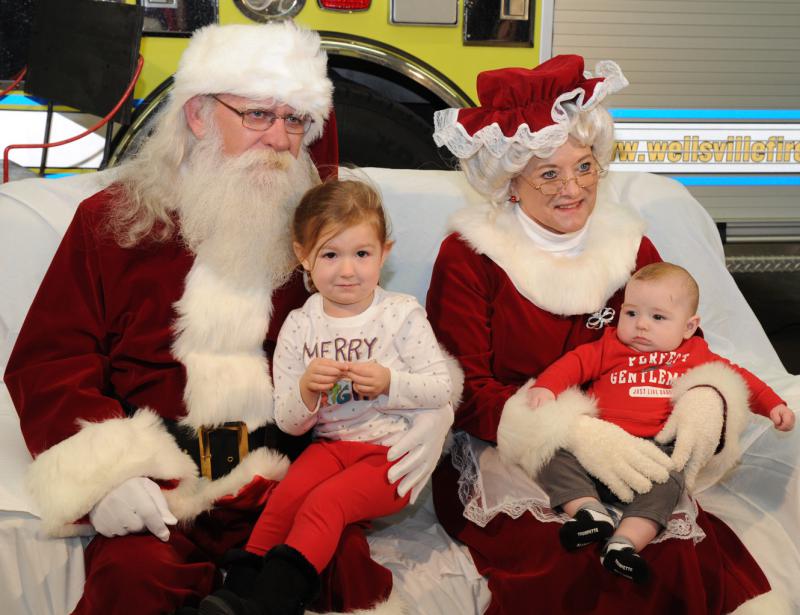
[538, 396]
[369, 379]
[782, 418]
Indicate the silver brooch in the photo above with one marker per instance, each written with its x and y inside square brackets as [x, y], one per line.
[600, 318]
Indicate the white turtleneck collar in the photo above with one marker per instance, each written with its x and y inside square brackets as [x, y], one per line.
[579, 284]
[564, 244]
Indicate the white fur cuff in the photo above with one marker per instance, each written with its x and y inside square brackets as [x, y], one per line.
[736, 395]
[196, 495]
[68, 479]
[456, 374]
[530, 438]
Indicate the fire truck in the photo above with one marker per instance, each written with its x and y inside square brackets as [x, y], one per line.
[392, 62]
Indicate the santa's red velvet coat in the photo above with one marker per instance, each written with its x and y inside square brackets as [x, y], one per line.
[102, 327]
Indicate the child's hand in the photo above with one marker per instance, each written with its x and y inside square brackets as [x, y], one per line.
[369, 379]
[782, 418]
[319, 377]
[538, 396]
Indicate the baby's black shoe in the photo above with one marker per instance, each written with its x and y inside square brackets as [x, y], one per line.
[586, 527]
[620, 557]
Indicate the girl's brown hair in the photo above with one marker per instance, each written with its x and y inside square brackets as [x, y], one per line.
[333, 206]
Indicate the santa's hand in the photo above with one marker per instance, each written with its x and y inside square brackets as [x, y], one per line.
[696, 427]
[131, 507]
[624, 463]
[419, 449]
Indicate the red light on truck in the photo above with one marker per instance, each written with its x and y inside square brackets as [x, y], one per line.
[345, 5]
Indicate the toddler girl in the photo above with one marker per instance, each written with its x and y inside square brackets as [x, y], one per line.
[350, 365]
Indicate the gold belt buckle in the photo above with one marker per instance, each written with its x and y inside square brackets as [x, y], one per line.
[205, 444]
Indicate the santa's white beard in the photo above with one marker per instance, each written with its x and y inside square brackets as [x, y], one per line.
[235, 212]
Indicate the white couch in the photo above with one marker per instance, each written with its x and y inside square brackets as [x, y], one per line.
[760, 500]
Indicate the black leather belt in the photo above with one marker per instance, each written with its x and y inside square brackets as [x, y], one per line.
[216, 450]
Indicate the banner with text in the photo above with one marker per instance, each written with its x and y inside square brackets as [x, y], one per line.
[707, 148]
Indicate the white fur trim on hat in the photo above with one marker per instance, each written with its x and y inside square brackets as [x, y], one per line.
[279, 61]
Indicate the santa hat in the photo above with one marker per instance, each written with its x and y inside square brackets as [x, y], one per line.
[279, 60]
[526, 106]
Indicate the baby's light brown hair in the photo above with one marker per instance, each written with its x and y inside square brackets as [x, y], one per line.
[334, 206]
[660, 271]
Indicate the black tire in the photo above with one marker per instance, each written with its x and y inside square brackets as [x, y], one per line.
[377, 132]
[128, 140]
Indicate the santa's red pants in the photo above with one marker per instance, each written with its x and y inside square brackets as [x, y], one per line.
[141, 574]
[331, 485]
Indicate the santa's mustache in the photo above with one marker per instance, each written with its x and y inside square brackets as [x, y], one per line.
[235, 211]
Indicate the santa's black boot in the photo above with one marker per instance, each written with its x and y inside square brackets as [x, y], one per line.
[235, 596]
[287, 583]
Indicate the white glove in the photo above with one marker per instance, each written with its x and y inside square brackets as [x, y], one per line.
[422, 446]
[131, 507]
[622, 462]
[696, 426]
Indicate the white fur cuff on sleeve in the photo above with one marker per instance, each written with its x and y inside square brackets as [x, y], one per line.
[68, 479]
[456, 374]
[736, 396]
[530, 438]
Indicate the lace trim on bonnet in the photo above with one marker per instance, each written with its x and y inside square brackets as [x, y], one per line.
[450, 133]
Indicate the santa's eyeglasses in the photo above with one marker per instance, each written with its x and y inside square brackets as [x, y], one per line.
[263, 119]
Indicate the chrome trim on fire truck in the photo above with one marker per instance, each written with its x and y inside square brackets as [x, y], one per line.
[269, 10]
[499, 23]
[336, 43]
[423, 12]
[140, 119]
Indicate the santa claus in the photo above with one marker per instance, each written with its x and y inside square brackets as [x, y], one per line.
[141, 375]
